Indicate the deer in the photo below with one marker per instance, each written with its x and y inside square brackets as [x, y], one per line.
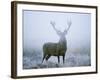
[56, 49]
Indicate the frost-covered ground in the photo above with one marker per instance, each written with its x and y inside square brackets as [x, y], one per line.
[33, 60]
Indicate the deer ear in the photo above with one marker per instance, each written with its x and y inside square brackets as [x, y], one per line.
[65, 31]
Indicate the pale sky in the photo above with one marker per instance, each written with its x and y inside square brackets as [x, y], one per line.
[37, 29]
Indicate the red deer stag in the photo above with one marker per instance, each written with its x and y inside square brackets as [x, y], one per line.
[56, 49]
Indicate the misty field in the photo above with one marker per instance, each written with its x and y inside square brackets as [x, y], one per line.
[72, 29]
[33, 59]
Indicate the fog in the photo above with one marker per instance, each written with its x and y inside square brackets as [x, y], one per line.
[37, 30]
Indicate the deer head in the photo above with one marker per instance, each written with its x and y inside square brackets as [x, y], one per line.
[62, 35]
[58, 31]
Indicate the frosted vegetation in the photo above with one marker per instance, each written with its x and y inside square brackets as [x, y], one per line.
[32, 59]
[39, 30]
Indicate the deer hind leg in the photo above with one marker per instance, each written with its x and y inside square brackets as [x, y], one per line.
[43, 58]
[63, 59]
[47, 57]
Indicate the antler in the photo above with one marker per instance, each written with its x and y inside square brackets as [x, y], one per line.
[69, 23]
[53, 24]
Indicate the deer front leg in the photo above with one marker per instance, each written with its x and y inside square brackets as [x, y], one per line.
[58, 59]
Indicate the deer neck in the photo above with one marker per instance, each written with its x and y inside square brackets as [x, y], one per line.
[62, 41]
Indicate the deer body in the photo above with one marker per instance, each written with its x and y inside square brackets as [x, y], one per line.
[56, 49]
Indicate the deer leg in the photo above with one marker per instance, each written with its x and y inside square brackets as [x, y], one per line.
[58, 59]
[47, 57]
[43, 58]
[63, 59]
